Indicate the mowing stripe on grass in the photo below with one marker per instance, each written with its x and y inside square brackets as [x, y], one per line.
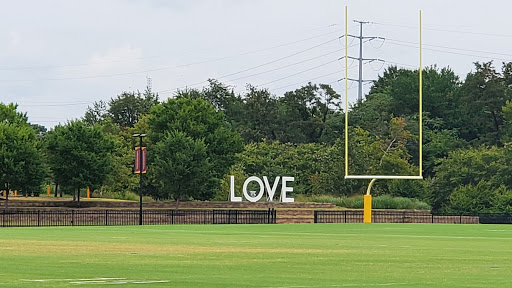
[258, 256]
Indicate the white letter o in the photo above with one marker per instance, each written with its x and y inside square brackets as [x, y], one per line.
[260, 194]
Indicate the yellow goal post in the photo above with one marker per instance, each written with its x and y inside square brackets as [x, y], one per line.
[367, 197]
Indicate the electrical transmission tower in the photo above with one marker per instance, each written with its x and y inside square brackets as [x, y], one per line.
[149, 82]
[361, 59]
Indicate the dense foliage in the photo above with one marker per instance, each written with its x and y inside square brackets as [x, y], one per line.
[79, 156]
[21, 159]
[200, 136]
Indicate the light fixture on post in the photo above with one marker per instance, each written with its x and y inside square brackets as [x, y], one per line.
[140, 168]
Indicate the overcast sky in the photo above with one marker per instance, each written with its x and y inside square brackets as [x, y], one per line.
[58, 57]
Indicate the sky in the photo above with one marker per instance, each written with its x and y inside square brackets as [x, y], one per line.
[59, 57]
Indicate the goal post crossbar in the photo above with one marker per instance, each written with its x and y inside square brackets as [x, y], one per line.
[411, 177]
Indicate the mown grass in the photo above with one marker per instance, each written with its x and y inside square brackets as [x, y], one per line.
[308, 255]
[378, 202]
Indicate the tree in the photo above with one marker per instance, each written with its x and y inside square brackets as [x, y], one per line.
[437, 145]
[21, 164]
[126, 109]
[96, 114]
[465, 167]
[261, 114]
[304, 114]
[198, 120]
[373, 114]
[507, 118]
[482, 97]
[39, 129]
[402, 85]
[79, 156]
[472, 199]
[182, 168]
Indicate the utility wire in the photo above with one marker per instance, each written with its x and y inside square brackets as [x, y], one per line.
[286, 66]
[250, 68]
[306, 81]
[156, 57]
[452, 48]
[157, 69]
[290, 65]
[298, 73]
[445, 30]
[57, 105]
[450, 52]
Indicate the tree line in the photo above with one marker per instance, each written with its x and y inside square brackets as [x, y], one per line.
[199, 136]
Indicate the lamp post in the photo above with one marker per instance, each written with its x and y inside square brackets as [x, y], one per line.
[141, 168]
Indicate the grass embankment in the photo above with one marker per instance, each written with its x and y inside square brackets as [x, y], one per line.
[308, 255]
[66, 198]
[378, 202]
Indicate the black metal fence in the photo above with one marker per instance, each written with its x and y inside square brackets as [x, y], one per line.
[39, 218]
[356, 216]
[493, 218]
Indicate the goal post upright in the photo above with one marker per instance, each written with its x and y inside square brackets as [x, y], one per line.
[367, 218]
[420, 164]
[346, 91]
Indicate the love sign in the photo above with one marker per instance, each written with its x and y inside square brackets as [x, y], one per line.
[263, 185]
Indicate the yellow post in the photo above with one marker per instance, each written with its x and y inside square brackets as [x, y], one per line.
[5, 194]
[367, 201]
[88, 193]
[367, 209]
[48, 190]
[421, 109]
[346, 91]
[15, 193]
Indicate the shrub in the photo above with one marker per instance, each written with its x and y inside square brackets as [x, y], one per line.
[379, 202]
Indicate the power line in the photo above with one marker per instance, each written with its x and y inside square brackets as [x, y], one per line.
[452, 48]
[303, 71]
[450, 52]
[286, 66]
[290, 65]
[178, 66]
[250, 68]
[401, 64]
[156, 57]
[57, 105]
[159, 69]
[301, 82]
[300, 72]
[445, 30]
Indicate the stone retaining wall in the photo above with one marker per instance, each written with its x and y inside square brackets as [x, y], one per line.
[168, 205]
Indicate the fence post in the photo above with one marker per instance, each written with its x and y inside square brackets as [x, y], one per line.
[106, 217]
[315, 217]
[345, 216]
[172, 217]
[432, 218]
[38, 218]
[213, 216]
[3, 218]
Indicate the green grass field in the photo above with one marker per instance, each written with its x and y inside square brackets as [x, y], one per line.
[307, 255]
